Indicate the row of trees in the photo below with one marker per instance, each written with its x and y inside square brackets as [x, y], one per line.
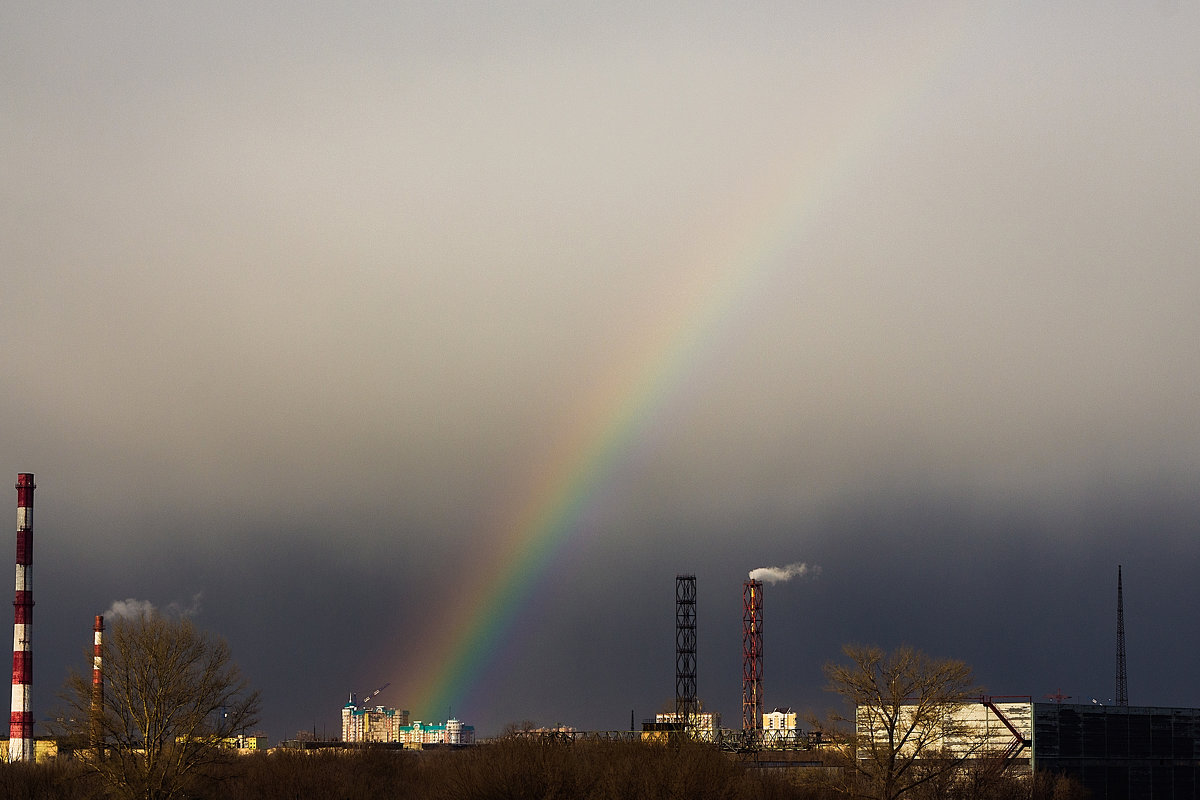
[174, 697]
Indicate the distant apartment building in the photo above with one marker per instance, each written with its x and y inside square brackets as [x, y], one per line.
[389, 725]
[376, 724]
[452, 732]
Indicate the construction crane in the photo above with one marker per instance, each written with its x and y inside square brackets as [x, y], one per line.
[366, 702]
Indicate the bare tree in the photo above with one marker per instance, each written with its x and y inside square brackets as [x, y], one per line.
[903, 704]
[173, 701]
[523, 727]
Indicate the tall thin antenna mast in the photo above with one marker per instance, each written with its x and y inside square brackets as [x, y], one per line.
[1122, 698]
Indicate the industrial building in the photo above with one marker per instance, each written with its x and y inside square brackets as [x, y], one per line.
[45, 749]
[703, 725]
[381, 725]
[1113, 751]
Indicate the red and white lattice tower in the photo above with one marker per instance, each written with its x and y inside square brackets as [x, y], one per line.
[752, 655]
[20, 729]
[97, 683]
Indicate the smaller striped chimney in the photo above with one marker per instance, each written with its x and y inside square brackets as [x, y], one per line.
[97, 684]
[20, 728]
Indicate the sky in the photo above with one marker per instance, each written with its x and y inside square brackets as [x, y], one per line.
[424, 344]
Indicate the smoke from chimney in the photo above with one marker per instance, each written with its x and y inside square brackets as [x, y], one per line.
[133, 608]
[777, 574]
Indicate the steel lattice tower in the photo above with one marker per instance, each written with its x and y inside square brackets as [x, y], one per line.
[752, 655]
[685, 649]
[1122, 697]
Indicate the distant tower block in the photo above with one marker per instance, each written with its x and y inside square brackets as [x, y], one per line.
[97, 684]
[20, 729]
[685, 649]
[1122, 697]
[752, 655]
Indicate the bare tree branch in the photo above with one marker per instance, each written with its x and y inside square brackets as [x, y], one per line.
[906, 732]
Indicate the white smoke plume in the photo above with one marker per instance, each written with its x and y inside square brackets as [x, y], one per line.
[776, 574]
[131, 607]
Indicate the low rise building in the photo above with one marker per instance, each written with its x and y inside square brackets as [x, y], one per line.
[781, 719]
[452, 733]
[254, 741]
[44, 750]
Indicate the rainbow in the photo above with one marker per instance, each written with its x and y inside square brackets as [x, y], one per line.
[726, 274]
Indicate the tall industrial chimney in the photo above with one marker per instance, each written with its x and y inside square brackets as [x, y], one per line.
[20, 729]
[752, 655]
[98, 686]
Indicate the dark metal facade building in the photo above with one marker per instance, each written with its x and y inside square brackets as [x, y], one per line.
[1121, 751]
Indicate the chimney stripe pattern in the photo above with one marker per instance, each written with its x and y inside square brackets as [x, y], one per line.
[20, 729]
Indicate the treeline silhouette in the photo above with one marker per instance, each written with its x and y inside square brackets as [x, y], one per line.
[507, 769]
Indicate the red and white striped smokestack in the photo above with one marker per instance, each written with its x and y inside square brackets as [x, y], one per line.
[97, 683]
[20, 729]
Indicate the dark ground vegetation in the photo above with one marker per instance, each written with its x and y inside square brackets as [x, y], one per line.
[508, 770]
